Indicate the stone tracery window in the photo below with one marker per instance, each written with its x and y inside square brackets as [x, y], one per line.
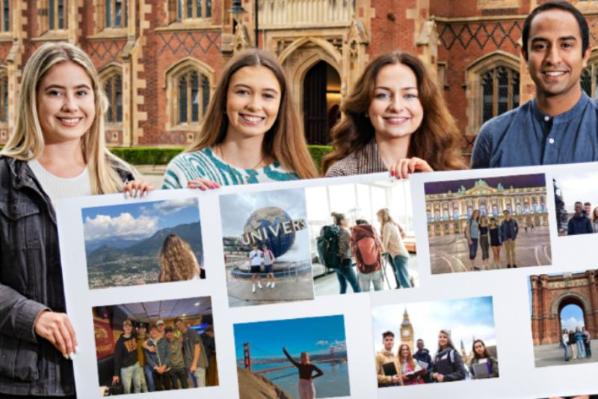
[500, 91]
[113, 89]
[192, 96]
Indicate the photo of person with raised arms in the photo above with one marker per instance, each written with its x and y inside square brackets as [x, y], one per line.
[396, 120]
[251, 134]
[56, 150]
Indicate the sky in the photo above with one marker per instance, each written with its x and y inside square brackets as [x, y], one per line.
[465, 318]
[578, 187]
[537, 180]
[235, 209]
[313, 335]
[137, 220]
[571, 317]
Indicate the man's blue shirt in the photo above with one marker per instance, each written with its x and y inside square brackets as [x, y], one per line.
[524, 136]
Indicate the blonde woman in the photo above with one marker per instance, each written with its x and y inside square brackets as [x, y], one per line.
[57, 150]
[392, 243]
[177, 260]
[251, 131]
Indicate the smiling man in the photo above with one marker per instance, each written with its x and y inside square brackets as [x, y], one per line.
[560, 125]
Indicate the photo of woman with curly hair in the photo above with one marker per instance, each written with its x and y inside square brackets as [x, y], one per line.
[177, 261]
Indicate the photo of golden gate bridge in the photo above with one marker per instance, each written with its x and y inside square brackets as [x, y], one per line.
[296, 358]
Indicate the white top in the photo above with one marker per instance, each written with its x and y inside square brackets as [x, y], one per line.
[392, 242]
[61, 187]
[256, 257]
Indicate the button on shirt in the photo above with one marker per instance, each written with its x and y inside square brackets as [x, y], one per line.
[524, 136]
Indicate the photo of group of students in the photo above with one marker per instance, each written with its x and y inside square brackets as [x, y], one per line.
[144, 347]
[357, 242]
[410, 368]
[573, 197]
[403, 359]
[394, 119]
[567, 336]
[491, 223]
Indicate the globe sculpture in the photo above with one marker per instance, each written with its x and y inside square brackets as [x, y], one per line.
[269, 220]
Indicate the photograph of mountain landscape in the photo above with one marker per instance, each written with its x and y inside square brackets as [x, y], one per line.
[143, 243]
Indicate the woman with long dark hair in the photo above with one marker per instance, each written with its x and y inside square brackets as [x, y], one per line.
[482, 360]
[395, 119]
[448, 363]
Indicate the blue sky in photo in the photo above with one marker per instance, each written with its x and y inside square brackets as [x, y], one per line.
[571, 317]
[466, 319]
[137, 220]
[313, 335]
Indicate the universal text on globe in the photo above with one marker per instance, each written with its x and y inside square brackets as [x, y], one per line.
[261, 234]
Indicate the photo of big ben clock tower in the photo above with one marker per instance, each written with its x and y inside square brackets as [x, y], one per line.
[407, 331]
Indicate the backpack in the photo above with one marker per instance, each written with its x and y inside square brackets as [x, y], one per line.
[368, 255]
[328, 246]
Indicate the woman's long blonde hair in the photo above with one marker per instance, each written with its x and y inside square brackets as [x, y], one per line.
[27, 141]
[284, 142]
[384, 214]
[177, 260]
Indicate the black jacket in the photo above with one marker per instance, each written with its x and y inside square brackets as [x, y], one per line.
[30, 281]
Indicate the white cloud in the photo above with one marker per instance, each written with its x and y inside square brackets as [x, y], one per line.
[124, 225]
[322, 343]
[172, 206]
[571, 323]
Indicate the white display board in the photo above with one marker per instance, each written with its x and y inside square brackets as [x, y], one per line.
[111, 263]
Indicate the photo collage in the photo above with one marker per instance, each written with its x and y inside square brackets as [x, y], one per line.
[441, 285]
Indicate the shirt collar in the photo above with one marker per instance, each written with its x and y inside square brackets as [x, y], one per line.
[573, 113]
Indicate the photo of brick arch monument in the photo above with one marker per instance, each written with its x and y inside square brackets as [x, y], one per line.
[564, 318]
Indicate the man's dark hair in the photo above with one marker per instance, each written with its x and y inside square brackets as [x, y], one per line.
[388, 334]
[557, 5]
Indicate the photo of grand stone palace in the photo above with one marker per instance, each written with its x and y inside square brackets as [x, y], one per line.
[449, 211]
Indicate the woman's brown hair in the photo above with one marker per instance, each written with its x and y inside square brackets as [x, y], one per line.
[284, 142]
[436, 141]
[475, 354]
[177, 260]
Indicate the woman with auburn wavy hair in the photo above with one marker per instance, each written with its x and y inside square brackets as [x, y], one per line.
[394, 119]
[410, 370]
[177, 260]
[251, 131]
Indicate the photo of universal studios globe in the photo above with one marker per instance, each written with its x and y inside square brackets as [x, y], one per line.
[266, 247]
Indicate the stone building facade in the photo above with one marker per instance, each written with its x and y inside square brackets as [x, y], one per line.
[160, 60]
[448, 212]
[550, 294]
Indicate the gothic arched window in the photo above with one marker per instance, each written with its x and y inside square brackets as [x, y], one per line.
[500, 91]
[193, 95]
[113, 89]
